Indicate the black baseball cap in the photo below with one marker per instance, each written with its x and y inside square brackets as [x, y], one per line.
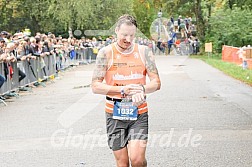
[4, 33]
[1, 39]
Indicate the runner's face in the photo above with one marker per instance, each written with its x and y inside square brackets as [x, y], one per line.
[125, 35]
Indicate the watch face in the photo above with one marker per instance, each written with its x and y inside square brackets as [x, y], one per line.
[122, 91]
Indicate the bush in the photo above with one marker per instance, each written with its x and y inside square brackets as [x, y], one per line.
[230, 27]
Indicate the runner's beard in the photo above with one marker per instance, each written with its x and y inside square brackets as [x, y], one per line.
[125, 45]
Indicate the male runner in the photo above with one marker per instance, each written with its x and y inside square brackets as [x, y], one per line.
[123, 66]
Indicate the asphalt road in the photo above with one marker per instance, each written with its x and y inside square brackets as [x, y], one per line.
[199, 118]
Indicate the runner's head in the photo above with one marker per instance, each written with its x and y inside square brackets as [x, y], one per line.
[125, 30]
[126, 19]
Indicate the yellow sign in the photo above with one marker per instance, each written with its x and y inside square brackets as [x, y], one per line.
[27, 32]
[209, 47]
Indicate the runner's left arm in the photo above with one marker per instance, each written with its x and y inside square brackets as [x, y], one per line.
[152, 72]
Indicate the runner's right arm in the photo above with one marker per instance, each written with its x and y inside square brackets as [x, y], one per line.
[101, 66]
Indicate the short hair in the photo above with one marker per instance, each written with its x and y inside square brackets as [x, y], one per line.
[10, 45]
[27, 39]
[126, 19]
[32, 39]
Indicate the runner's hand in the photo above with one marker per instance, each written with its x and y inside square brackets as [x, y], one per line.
[138, 98]
[131, 89]
[134, 88]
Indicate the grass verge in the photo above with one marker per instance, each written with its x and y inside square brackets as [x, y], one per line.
[230, 69]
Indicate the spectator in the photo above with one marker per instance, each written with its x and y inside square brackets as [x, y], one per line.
[140, 41]
[8, 69]
[99, 40]
[46, 52]
[19, 54]
[159, 45]
[170, 43]
[242, 55]
[176, 26]
[177, 44]
[196, 46]
[179, 20]
[2, 80]
[2, 57]
[4, 35]
[172, 20]
[108, 41]
[2, 46]
[94, 42]
[163, 46]
[33, 47]
[182, 25]
[187, 21]
[145, 42]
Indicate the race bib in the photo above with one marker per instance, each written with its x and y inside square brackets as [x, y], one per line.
[125, 111]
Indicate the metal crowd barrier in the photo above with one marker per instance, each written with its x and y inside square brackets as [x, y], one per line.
[41, 69]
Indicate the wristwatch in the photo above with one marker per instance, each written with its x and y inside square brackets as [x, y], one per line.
[143, 88]
[122, 91]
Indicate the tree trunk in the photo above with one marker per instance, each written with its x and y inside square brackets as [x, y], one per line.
[199, 21]
[230, 4]
[70, 30]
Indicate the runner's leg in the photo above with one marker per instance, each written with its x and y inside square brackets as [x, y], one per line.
[137, 149]
[122, 158]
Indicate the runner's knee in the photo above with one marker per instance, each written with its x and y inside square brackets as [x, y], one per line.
[122, 161]
[138, 161]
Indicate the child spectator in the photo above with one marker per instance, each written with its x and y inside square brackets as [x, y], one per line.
[242, 55]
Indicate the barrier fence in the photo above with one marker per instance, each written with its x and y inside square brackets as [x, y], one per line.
[230, 54]
[41, 68]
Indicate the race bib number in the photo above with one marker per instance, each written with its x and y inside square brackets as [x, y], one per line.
[125, 111]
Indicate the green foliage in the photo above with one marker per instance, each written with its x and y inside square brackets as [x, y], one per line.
[89, 14]
[10, 13]
[230, 27]
[223, 21]
[242, 4]
[145, 13]
[60, 15]
[179, 7]
[19, 14]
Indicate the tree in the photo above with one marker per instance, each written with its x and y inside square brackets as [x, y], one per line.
[242, 4]
[201, 27]
[20, 14]
[89, 14]
[145, 13]
[10, 14]
[230, 27]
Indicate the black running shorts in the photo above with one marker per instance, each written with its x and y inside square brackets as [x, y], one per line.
[121, 131]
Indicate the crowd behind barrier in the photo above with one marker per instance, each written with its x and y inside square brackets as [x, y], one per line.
[26, 61]
[240, 56]
[37, 70]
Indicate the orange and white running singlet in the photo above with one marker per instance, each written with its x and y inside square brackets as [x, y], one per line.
[125, 69]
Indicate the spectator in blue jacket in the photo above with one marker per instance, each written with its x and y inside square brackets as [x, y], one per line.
[2, 79]
[170, 41]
